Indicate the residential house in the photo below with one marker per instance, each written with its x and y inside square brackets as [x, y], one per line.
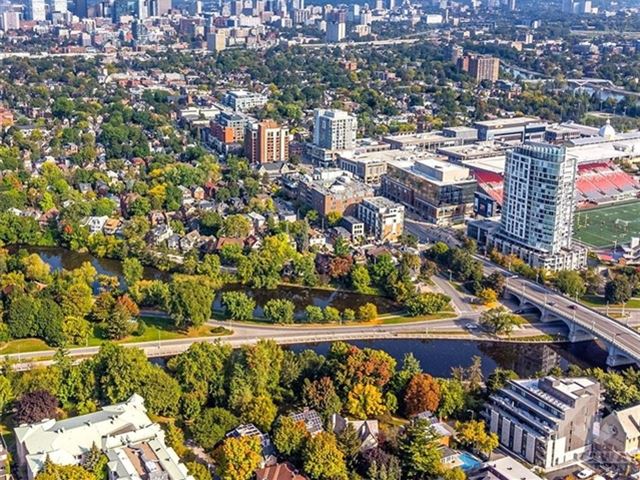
[444, 430]
[279, 471]
[620, 430]
[173, 242]
[274, 170]
[191, 240]
[311, 419]
[111, 226]
[367, 430]
[95, 224]
[159, 234]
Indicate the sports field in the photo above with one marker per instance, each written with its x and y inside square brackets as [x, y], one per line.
[602, 227]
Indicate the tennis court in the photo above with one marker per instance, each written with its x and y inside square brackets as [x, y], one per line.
[604, 226]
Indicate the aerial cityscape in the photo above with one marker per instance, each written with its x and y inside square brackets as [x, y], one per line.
[289, 240]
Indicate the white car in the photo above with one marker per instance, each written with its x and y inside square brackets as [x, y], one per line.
[586, 473]
[471, 326]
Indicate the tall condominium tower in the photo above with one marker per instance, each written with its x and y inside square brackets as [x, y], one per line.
[538, 207]
[334, 130]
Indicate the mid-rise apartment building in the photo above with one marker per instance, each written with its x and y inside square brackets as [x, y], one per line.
[134, 445]
[266, 142]
[242, 100]
[546, 421]
[382, 218]
[229, 128]
[484, 68]
[440, 192]
[368, 167]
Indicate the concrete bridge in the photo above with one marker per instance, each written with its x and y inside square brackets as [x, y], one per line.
[584, 323]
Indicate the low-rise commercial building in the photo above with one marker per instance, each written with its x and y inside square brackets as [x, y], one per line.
[440, 192]
[515, 130]
[333, 191]
[382, 218]
[546, 421]
[368, 167]
[430, 141]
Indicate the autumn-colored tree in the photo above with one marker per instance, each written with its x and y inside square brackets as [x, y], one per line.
[422, 394]
[473, 434]
[365, 401]
[323, 460]
[129, 305]
[35, 406]
[238, 458]
[321, 396]
[51, 471]
[354, 365]
[339, 267]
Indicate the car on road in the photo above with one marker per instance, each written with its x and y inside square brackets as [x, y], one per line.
[571, 307]
[472, 327]
[585, 473]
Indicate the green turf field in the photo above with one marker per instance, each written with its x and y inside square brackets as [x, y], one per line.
[598, 227]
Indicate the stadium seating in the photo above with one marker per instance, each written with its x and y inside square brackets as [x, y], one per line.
[604, 182]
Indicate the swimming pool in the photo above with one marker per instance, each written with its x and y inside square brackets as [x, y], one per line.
[468, 461]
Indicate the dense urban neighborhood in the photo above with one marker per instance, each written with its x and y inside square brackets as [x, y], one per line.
[270, 240]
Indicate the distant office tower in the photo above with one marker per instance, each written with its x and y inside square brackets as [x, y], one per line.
[81, 9]
[216, 41]
[58, 6]
[336, 31]
[334, 130]
[456, 53]
[36, 10]
[391, 4]
[164, 6]
[484, 68]
[142, 9]
[10, 20]
[577, 6]
[266, 142]
[236, 7]
[379, 5]
[538, 207]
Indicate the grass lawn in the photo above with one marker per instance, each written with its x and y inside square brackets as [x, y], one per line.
[602, 227]
[397, 319]
[598, 302]
[158, 328]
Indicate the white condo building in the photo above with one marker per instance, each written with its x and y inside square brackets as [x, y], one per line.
[334, 130]
[538, 208]
[36, 10]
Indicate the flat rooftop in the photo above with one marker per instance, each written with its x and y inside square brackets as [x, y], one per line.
[474, 150]
[390, 156]
[508, 122]
[435, 171]
[418, 138]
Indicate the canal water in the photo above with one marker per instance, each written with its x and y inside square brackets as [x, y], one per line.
[438, 357]
[60, 258]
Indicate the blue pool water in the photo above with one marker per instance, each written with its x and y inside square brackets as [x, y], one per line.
[468, 461]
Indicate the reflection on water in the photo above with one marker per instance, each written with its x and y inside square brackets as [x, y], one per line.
[438, 357]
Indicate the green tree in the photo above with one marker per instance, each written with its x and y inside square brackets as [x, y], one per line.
[618, 290]
[6, 393]
[313, 314]
[51, 471]
[419, 450]
[426, 303]
[161, 392]
[360, 279]
[279, 310]
[119, 371]
[199, 471]
[322, 458]
[238, 458]
[290, 436]
[570, 283]
[261, 411]
[236, 226]
[190, 300]
[498, 379]
[132, 270]
[452, 397]
[238, 305]
[500, 320]
[331, 314]
[76, 330]
[212, 425]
